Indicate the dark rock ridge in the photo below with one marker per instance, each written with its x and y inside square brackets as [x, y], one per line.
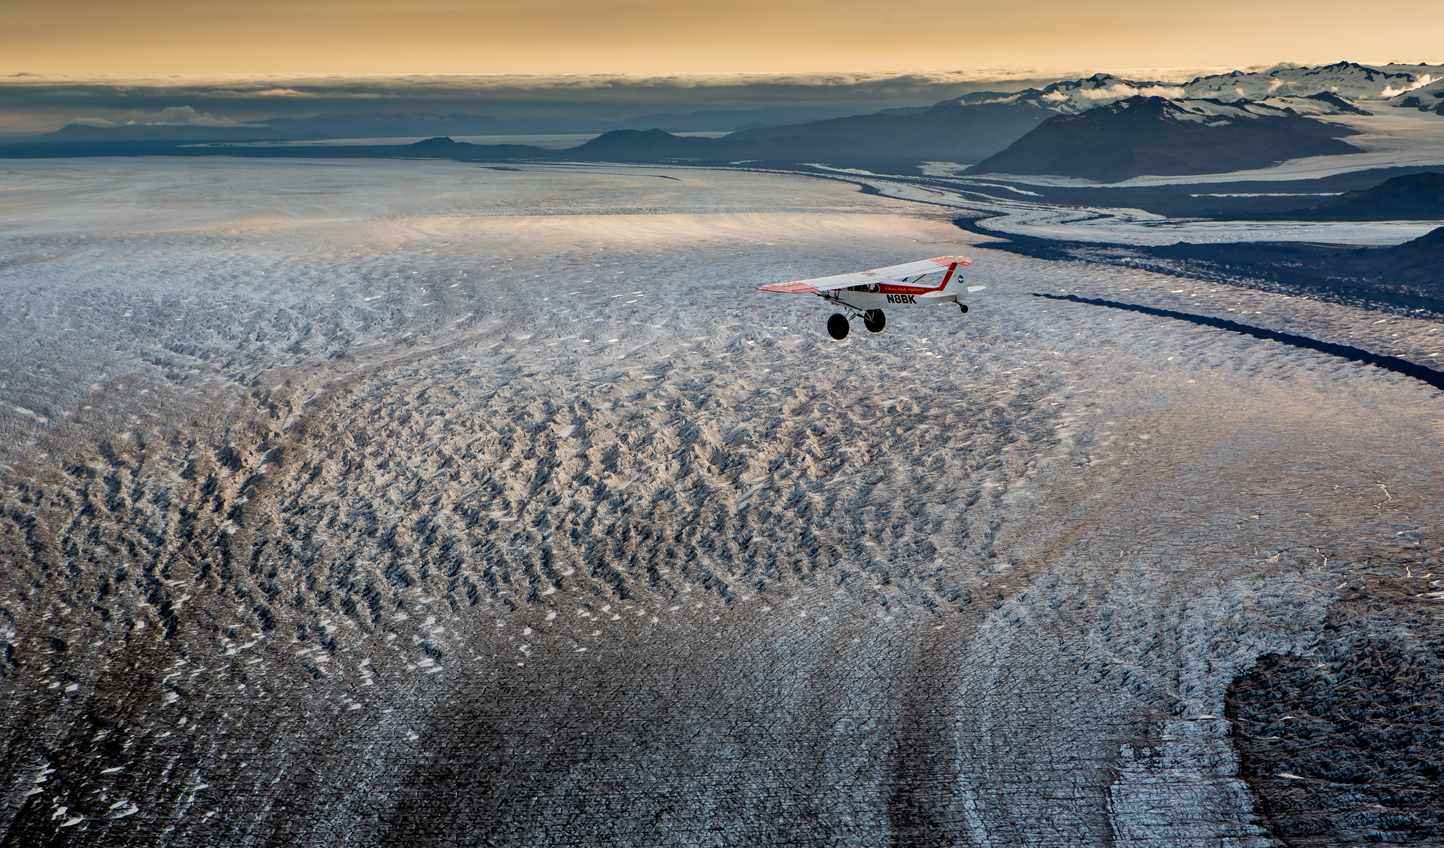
[1339, 103]
[438, 143]
[1156, 136]
[1416, 196]
[1414, 101]
[645, 145]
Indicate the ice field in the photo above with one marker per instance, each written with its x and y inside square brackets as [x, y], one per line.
[382, 503]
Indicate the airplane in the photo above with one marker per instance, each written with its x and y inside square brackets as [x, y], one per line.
[865, 293]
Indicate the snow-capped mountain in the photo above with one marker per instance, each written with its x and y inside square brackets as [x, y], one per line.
[1073, 97]
[1325, 103]
[1212, 109]
[1283, 85]
[1425, 98]
[1348, 79]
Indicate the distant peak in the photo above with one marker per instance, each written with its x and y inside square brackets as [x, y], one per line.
[1343, 104]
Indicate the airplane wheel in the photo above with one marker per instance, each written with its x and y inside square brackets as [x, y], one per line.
[874, 320]
[963, 306]
[837, 327]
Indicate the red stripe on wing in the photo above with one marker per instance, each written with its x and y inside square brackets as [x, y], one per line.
[788, 288]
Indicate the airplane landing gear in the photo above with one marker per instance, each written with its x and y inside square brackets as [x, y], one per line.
[963, 306]
[837, 326]
[874, 320]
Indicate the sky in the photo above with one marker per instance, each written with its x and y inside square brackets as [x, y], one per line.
[141, 38]
[100, 60]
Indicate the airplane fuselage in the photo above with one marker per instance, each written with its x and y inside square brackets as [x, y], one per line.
[864, 298]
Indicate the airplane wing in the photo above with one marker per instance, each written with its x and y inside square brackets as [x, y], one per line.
[890, 274]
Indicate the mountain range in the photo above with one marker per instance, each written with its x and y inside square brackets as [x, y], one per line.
[1348, 80]
[1102, 127]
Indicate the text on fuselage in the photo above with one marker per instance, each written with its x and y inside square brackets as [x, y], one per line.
[902, 298]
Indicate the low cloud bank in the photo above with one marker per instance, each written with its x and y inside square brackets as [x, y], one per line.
[172, 116]
[32, 103]
[1120, 91]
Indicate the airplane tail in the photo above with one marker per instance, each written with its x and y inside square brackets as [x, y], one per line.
[953, 287]
[954, 284]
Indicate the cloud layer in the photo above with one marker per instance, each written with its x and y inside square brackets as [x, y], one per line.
[171, 116]
[33, 103]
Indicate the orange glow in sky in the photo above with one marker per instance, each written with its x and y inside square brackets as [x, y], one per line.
[185, 37]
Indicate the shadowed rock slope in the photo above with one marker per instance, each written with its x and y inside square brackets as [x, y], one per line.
[1153, 135]
[1419, 196]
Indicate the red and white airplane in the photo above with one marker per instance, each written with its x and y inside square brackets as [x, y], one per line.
[865, 293]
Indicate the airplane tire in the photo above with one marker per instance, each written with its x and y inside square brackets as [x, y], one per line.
[874, 320]
[963, 306]
[837, 327]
